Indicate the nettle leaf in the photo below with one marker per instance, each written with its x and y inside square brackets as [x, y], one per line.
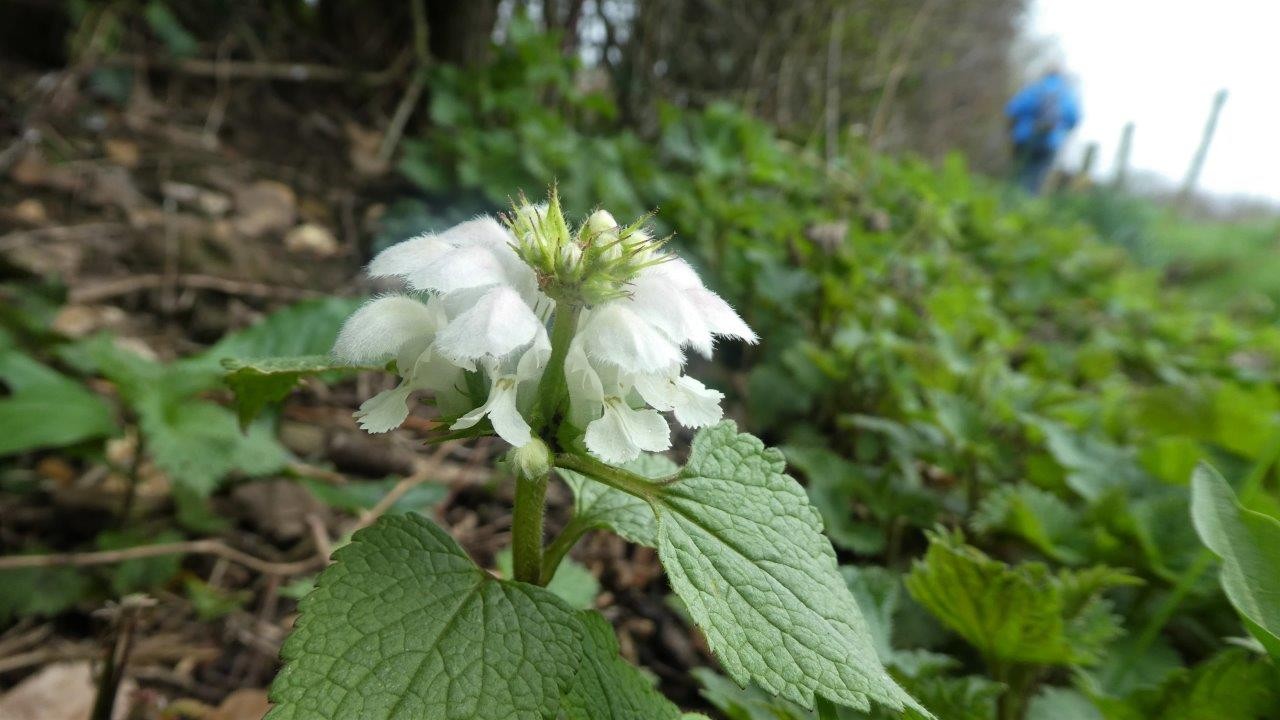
[744, 550]
[258, 383]
[606, 687]
[1037, 516]
[1232, 684]
[1021, 613]
[43, 408]
[603, 507]
[404, 625]
[1248, 543]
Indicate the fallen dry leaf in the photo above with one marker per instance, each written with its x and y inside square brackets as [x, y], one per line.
[246, 704]
[63, 691]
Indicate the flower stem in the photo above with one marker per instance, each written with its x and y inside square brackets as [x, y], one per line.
[553, 389]
[526, 528]
[617, 478]
[560, 547]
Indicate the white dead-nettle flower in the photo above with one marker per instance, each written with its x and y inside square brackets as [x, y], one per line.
[491, 293]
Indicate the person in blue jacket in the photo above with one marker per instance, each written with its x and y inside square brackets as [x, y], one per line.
[1041, 116]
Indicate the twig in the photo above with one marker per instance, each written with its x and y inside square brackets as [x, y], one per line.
[412, 93]
[206, 546]
[257, 70]
[97, 292]
[896, 72]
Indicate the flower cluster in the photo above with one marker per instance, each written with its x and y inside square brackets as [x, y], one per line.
[483, 297]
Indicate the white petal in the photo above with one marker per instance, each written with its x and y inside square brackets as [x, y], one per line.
[621, 433]
[675, 271]
[586, 392]
[502, 412]
[409, 256]
[458, 269]
[385, 411]
[616, 335]
[695, 404]
[665, 306]
[533, 360]
[497, 324]
[380, 328]
[719, 316]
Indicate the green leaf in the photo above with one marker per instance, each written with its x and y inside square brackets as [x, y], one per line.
[364, 495]
[306, 328]
[41, 591]
[1232, 684]
[603, 507]
[258, 383]
[1249, 545]
[744, 549]
[572, 583]
[179, 41]
[404, 625]
[1037, 516]
[1053, 703]
[199, 443]
[1018, 614]
[45, 409]
[211, 603]
[606, 687]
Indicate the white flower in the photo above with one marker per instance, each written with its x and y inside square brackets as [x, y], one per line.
[622, 432]
[501, 407]
[486, 311]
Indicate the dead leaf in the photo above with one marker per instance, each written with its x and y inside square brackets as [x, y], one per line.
[242, 705]
[31, 212]
[278, 507]
[62, 691]
[122, 152]
[264, 207]
[311, 239]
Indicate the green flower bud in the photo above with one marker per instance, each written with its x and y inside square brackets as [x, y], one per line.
[531, 461]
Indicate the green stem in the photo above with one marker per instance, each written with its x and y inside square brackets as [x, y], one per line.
[526, 529]
[553, 389]
[616, 478]
[560, 547]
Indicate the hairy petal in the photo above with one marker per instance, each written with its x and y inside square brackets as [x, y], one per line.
[621, 433]
[499, 323]
[380, 328]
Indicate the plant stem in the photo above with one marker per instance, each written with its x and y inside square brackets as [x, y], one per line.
[553, 389]
[616, 478]
[560, 547]
[526, 529]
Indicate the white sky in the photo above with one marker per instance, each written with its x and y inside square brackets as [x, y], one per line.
[1158, 63]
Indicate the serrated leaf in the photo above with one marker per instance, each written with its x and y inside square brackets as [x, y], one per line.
[404, 625]
[1037, 516]
[43, 408]
[258, 383]
[603, 507]
[1232, 684]
[744, 549]
[1022, 613]
[199, 443]
[572, 583]
[606, 687]
[1249, 545]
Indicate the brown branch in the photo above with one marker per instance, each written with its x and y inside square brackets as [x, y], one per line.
[259, 70]
[106, 289]
[206, 546]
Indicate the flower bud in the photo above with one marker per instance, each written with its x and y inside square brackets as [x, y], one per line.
[531, 461]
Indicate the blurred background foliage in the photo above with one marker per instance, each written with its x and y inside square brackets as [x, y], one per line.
[996, 403]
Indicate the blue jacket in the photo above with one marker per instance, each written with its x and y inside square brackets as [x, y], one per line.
[1044, 112]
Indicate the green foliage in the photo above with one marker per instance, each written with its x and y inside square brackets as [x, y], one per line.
[43, 408]
[1230, 684]
[599, 506]
[1021, 614]
[744, 550]
[1248, 544]
[41, 591]
[398, 627]
[606, 687]
[258, 383]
